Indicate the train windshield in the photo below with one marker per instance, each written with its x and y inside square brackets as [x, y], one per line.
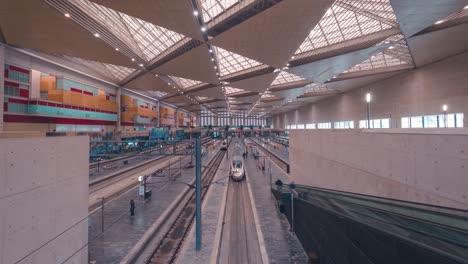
[236, 164]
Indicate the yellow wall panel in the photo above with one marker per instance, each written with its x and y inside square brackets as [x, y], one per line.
[48, 83]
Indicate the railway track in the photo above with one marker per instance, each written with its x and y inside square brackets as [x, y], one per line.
[108, 181]
[183, 215]
[284, 165]
[96, 164]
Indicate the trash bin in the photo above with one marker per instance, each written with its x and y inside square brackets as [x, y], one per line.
[281, 208]
[148, 194]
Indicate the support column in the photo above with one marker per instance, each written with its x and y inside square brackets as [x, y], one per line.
[159, 115]
[2, 78]
[176, 119]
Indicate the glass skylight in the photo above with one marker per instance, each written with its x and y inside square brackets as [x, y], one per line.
[158, 94]
[230, 62]
[143, 38]
[184, 83]
[268, 94]
[286, 77]
[119, 72]
[231, 90]
[114, 72]
[397, 54]
[202, 98]
[212, 8]
[349, 19]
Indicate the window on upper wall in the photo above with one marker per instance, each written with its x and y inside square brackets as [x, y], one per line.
[325, 125]
[452, 120]
[375, 123]
[300, 126]
[310, 126]
[343, 125]
[293, 126]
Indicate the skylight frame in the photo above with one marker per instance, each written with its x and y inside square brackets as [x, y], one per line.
[213, 8]
[114, 72]
[348, 20]
[230, 63]
[143, 38]
[184, 83]
[286, 77]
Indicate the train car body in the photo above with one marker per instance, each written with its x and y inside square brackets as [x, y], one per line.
[237, 171]
[224, 145]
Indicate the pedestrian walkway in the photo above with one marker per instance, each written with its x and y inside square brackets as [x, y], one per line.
[122, 231]
[282, 246]
[283, 154]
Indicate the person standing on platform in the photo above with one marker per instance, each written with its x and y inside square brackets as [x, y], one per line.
[132, 208]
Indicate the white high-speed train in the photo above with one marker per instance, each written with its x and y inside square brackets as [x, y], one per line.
[237, 168]
[237, 171]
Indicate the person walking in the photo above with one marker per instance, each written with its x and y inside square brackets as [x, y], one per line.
[132, 208]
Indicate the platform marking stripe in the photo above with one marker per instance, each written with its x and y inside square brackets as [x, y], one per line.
[261, 241]
[219, 227]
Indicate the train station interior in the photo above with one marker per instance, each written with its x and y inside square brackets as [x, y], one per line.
[233, 131]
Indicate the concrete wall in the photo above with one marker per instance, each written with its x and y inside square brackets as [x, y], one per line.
[421, 91]
[2, 78]
[420, 165]
[44, 192]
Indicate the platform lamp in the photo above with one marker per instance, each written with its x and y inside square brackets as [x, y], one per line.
[368, 100]
[444, 108]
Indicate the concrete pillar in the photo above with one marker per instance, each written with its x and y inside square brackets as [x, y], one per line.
[2, 77]
[159, 115]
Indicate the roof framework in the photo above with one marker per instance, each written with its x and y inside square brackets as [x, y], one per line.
[395, 55]
[347, 20]
[213, 8]
[348, 26]
[230, 62]
[144, 39]
[185, 83]
[114, 72]
[286, 77]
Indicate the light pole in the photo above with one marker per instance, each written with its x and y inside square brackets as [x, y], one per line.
[444, 108]
[368, 99]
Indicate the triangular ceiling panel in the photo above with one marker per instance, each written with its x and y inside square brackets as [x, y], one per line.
[292, 93]
[176, 15]
[433, 46]
[148, 82]
[256, 84]
[324, 70]
[416, 15]
[273, 36]
[390, 58]
[214, 92]
[349, 84]
[194, 64]
[19, 21]
[249, 99]
[179, 100]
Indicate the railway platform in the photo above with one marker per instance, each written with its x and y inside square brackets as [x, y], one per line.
[122, 232]
[283, 154]
[270, 229]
